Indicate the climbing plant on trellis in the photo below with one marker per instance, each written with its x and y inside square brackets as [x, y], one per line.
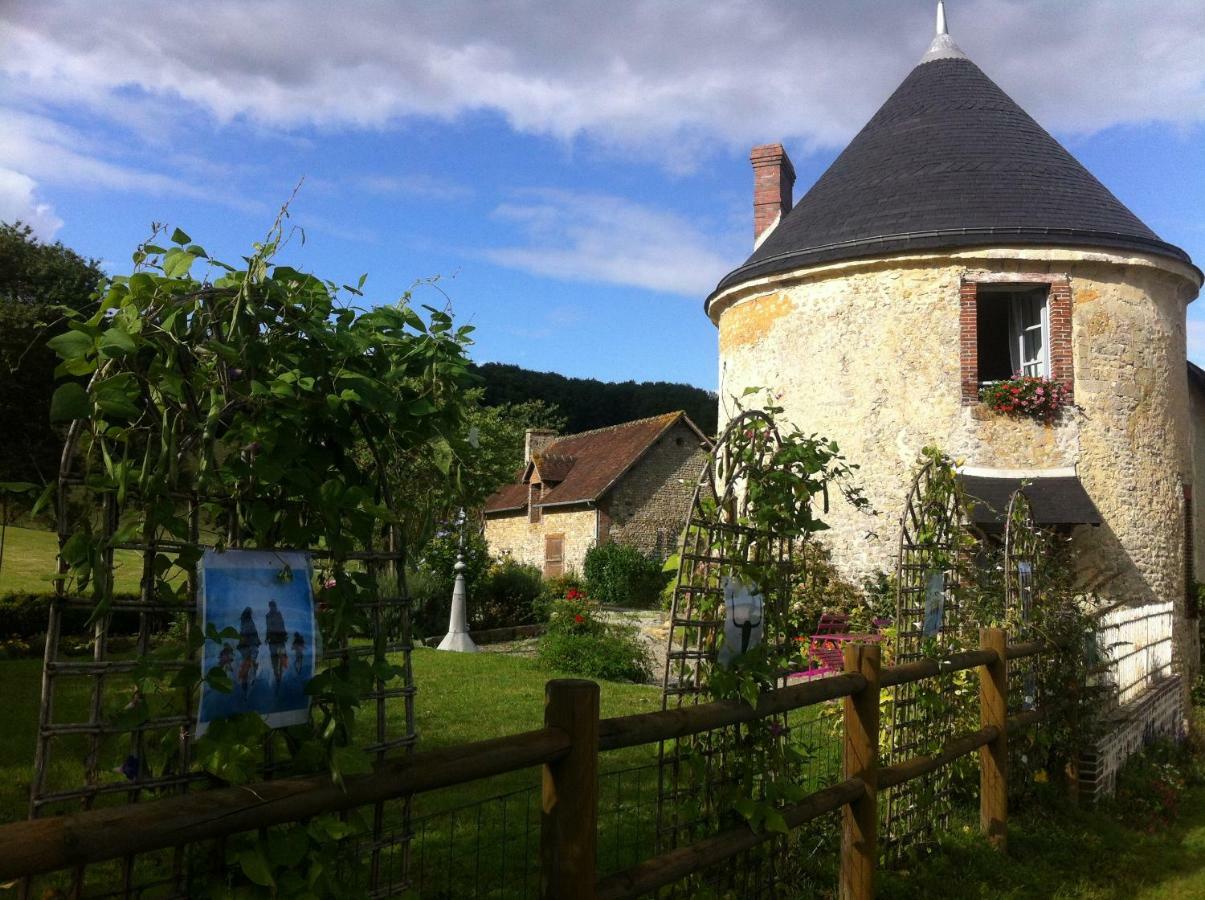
[254, 410]
[740, 562]
[1025, 552]
[930, 622]
[1025, 547]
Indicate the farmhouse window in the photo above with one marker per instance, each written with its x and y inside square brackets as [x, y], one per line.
[1012, 326]
[554, 555]
[534, 495]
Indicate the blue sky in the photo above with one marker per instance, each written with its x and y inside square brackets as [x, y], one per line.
[575, 173]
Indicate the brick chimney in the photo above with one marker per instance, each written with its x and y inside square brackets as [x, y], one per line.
[535, 440]
[773, 188]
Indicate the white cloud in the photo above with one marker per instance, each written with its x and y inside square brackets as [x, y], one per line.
[669, 79]
[19, 202]
[41, 148]
[593, 237]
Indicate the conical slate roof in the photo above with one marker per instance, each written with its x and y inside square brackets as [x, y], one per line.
[949, 161]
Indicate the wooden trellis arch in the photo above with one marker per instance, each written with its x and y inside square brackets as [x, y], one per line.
[88, 755]
[715, 545]
[929, 622]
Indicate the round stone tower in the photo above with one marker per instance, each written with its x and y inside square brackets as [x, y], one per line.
[955, 242]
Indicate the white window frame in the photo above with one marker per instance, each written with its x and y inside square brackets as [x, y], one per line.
[1040, 364]
[1016, 335]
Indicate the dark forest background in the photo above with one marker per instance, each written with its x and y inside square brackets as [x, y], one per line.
[587, 403]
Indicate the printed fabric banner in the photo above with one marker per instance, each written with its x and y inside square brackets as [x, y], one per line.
[263, 601]
[935, 603]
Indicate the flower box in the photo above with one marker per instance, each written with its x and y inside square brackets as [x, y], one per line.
[1026, 395]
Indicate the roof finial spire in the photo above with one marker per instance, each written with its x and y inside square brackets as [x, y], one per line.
[943, 46]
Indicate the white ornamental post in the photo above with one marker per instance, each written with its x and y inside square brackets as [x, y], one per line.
[457, 639]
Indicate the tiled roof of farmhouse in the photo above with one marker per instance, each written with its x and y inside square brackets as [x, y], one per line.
[949, 161]
[583, 467]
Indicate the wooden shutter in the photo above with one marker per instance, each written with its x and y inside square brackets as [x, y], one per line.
[554, 555]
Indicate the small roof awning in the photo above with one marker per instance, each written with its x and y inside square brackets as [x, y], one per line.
[1057, 498]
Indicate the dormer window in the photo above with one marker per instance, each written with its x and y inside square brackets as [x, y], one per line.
[1013, 325]
[534, 495]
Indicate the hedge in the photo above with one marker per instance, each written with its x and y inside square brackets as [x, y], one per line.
[26, 614]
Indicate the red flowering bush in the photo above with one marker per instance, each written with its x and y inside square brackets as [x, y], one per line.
[576, 614]
[580, 643]
[1026, 395]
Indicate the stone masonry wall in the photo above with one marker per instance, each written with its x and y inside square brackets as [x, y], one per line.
[1197, 417]
[868, 354]
[512, 535]
[648, 507]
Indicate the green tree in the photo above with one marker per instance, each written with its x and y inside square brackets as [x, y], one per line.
[588, 403]
[254, 391]
[37, 280]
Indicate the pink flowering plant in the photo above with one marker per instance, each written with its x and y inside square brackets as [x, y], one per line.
[1027, 395]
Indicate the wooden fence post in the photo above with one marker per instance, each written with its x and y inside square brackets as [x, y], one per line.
[569, 817]
[860, 759]
[993, 757]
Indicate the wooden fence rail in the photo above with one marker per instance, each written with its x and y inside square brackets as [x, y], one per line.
[567, 748]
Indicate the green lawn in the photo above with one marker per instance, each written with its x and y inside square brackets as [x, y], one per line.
[29, 563]
[1066, 853]
[461, 698]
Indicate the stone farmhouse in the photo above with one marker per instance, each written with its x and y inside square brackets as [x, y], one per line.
[630, 483]
[955, 242]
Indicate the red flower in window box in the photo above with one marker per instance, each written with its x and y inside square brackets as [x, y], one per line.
[579, 618]
[1027, 395]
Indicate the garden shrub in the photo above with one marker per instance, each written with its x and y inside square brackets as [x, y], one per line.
[579, 643]
[25, 615]
[620, 575]
[428, 607]
[821, 590]
[1151, 784]
[501, 593]
[507, 595]
[558, 587]
[430, 583]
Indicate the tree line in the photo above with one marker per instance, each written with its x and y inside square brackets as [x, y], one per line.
[587, 403]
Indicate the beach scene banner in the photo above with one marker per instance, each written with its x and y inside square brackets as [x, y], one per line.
[260, 605]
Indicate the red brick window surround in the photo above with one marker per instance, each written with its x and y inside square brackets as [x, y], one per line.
[1058, 339]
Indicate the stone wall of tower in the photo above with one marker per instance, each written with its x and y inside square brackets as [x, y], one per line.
[868, 354]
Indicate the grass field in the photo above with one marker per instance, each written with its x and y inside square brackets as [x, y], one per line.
[461, 698]
[29, 563]
[1067, 853]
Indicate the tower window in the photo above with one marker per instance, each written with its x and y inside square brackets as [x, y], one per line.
[1012, 333]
